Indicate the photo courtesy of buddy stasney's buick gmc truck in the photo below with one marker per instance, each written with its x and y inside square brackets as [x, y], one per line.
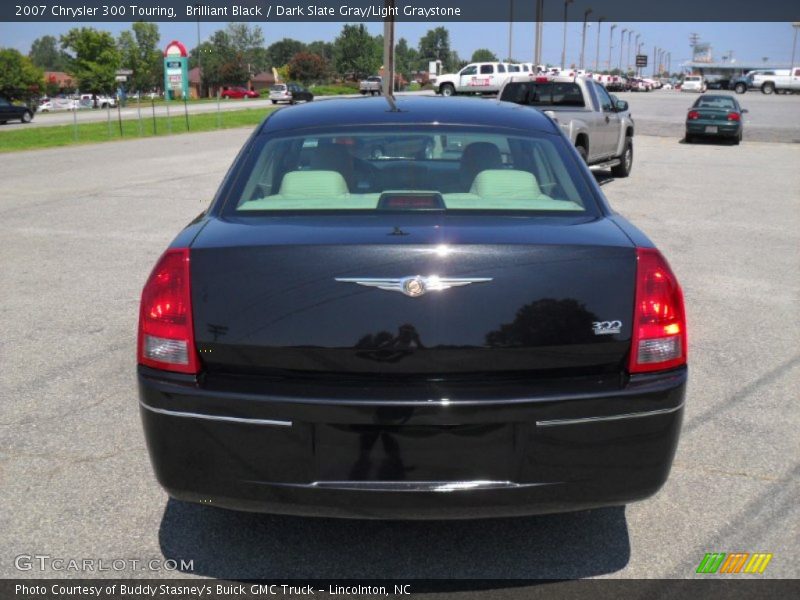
[411, 308]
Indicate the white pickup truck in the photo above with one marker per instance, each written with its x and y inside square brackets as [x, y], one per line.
[599, 125]
[781, 80]
[475, 78]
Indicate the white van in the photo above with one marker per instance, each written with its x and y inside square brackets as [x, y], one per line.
[693, 83]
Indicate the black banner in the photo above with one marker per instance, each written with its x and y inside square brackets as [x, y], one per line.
[729, 588]
[260, 11]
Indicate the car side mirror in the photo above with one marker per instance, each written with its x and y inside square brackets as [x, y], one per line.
[621, 106]
[744, 110]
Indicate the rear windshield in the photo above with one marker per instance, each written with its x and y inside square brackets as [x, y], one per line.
[543, 94]
[692, 79]
[414, 169]
[277, 88]
[722, 102]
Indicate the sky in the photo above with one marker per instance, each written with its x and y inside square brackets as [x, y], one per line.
[749, 42]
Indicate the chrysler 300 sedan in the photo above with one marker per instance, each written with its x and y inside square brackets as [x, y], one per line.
[458, 326]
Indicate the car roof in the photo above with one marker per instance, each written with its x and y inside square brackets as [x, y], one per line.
[418, 110]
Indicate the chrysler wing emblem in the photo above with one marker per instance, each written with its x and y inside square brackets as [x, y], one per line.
[415, 285]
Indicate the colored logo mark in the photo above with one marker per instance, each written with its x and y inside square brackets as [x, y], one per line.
[734, 562]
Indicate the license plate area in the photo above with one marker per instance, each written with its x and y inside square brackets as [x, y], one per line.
[711, 129]
[415, 453]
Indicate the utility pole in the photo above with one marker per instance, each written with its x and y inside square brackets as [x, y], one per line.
[630, 35]
[510, 28]
[564, 47]
[583, 37]
[611, 45]
[388, 51]
[537, 59]
[636, 45]
[621, 48]
[796, 26]
[597, 56]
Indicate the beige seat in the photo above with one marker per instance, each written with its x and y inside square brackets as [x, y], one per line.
[503, 183]
[313, 184]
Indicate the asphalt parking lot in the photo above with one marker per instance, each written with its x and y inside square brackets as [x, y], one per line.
[774, 118]
[80, 234]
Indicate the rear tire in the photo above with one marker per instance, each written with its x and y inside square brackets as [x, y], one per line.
[623, 169]
[584, 155]
[740, 88]
[768, 88]
[27, 117]
[447, 90]
[689, 139]
[274, 101]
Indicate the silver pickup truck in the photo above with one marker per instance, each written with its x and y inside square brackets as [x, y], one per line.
[599, 125]
[371, 85]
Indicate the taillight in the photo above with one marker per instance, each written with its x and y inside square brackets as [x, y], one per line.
[659, 320]
[693, 114]
[734, 116]
[542, 80]
[166, 335]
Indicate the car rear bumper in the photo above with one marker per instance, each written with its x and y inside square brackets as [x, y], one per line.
[724, 128]
[411, 459]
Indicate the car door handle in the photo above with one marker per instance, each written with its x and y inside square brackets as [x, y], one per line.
[608, 118]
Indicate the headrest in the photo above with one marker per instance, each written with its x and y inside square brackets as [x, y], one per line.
[481, 155]
[505, 183]
[313, 184]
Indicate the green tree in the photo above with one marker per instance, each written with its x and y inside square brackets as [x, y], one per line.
[307, 68]
[247, 43]
[139, 52]
[19, 77]
[435, 45]
[282, 51]
[94, 58]
[354, 52]
[320, 48]
[46, 55]
[483, 55]
[405, 59]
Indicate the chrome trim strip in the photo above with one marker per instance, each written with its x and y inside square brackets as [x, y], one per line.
[189, 415]
[409, 486]
[637, 415]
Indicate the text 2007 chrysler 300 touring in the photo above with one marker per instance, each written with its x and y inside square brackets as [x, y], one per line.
[412, 308]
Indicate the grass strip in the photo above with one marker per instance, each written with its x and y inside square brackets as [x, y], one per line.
[35, 138]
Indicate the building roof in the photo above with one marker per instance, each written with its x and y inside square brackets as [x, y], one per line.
[738, 66]
[264, 77]
[412, 110]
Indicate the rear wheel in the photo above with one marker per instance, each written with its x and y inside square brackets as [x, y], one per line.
[688, 138]
[447, 89]
[623, 169]
[740, 88]
[768, 88]
[274, 101]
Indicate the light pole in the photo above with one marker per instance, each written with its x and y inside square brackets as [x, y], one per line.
[611, 45]
[630, 35]
[796, 26]
[537, 47]
[583, 37]
[621, 48]
[510, 28]
[597, 56]
[636, 45]
[564, 47]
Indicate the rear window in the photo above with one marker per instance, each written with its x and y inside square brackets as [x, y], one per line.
[277, 88]
[417, 169]
[543, 94]
[692, 79]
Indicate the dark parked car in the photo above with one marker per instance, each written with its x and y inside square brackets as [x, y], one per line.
[718, 84]
[715, 116]
[12, 112]
[462, 330]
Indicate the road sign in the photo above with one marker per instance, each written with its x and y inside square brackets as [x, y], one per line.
[641, 60]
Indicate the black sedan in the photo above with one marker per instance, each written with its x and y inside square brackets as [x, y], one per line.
[715, 116]
[13, 112]
[460, 327]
